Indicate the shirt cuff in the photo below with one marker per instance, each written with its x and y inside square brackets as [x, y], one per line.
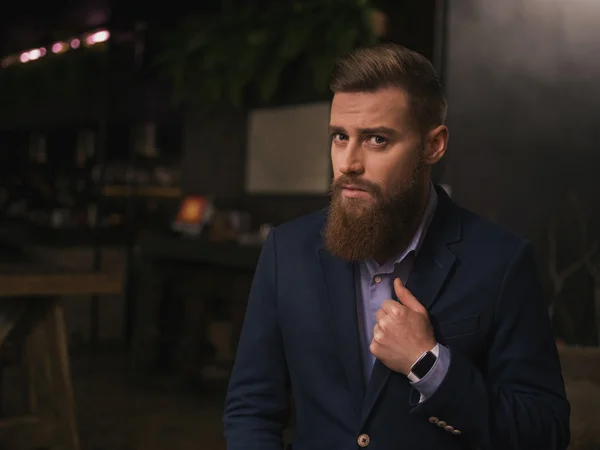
[430, 382]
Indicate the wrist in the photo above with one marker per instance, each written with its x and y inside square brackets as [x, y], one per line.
[420, 351]
[424, 363]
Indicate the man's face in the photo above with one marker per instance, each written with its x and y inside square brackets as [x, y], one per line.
[379, 183]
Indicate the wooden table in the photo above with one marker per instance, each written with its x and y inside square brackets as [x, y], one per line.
[29, 305]
[17, 280]
[166, 261]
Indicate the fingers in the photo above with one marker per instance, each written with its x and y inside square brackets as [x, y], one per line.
[391, 307]
[406, 298]
[400, 290]
[377, 333]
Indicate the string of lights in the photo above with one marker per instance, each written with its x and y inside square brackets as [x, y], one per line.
[86, 39]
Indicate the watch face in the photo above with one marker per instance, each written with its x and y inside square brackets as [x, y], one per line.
[422, 367]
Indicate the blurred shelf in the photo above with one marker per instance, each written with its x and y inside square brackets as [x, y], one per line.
[170, 247]
[23, 235]
[142, 191]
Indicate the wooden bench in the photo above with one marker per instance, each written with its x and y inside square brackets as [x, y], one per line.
[30, 311]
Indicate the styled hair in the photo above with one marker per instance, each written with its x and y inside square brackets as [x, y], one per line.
[368, 69]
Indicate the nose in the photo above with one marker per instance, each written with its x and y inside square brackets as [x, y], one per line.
[351, 162]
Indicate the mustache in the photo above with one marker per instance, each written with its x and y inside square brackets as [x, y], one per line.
[367, 186]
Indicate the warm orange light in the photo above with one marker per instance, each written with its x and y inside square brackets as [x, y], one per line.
[192, 209]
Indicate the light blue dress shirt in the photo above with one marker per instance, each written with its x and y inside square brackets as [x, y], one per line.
[376, 285]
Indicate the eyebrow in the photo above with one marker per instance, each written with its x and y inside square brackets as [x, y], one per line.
[375, 130]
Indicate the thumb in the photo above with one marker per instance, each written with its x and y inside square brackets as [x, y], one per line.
[406, 298]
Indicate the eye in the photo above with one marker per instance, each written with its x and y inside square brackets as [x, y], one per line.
[339, 137]
[378, 140]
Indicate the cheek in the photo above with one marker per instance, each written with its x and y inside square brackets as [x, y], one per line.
[385, 175]
[391, 173]
[335, 162]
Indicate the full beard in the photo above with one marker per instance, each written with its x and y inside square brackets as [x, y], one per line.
[377, 231]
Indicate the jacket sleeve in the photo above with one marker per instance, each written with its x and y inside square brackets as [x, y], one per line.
[257, 401]
[520, 401]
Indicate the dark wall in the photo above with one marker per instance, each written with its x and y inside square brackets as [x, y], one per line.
[522, 82]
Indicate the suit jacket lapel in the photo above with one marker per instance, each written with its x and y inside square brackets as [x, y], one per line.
[341, 289]
[432, 266]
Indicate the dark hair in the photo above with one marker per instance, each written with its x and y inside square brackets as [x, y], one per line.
[367, 69]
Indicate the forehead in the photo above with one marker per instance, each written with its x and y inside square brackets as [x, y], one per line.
[384, 107]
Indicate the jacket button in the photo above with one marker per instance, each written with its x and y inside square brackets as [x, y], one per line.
[363, 440]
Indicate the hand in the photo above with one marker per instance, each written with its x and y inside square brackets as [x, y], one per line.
[402, 332]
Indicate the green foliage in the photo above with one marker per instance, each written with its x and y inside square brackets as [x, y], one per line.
[230, 58]
[27, 89]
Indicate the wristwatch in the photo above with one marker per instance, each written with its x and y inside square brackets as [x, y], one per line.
[424, 364]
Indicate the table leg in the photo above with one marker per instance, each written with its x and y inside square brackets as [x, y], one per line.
[61, 375]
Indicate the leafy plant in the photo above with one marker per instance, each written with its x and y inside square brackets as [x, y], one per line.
[233, 58]
[64, 78]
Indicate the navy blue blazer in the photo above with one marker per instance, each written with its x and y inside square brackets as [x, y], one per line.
[503, 390]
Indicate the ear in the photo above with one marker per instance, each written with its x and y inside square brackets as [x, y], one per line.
[436, 142]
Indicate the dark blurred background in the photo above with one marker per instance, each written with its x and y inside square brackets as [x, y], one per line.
[147, 148]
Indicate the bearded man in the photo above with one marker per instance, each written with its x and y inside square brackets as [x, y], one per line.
[397, 319]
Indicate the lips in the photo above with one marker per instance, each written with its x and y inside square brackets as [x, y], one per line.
[354, 192]
[353, 188]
